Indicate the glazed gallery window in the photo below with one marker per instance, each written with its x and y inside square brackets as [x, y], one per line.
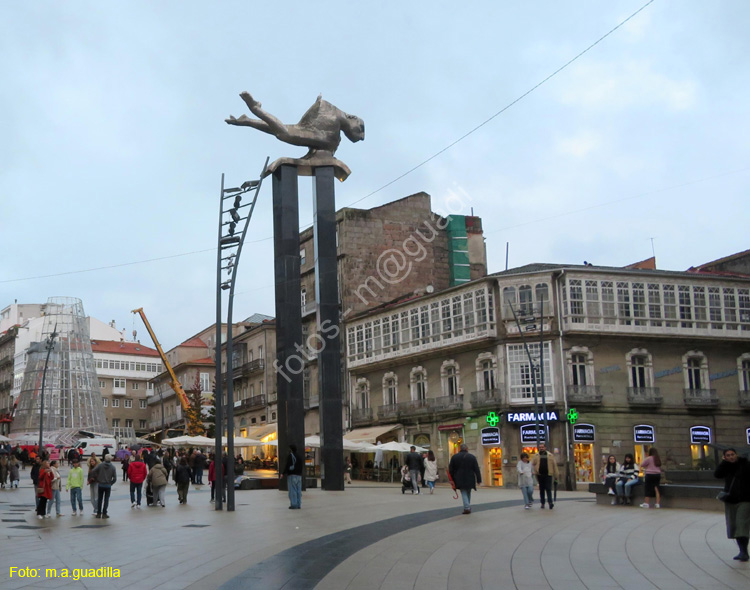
[525, 300]
[519, 372]
[664, 305]
[459, 317]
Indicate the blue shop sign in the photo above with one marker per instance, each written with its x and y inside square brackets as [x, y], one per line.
[490, 436]
[643, 433]
[700, 435]
[528, 434]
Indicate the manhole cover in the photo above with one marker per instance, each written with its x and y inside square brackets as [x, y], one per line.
[195, 526]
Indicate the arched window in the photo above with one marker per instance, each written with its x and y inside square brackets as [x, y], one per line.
[486, 371]
[640, 368]
[695, 367]
[743, 371]
[303, 298]
[542, 297]
[526, 300]
[418, 379]
[363, 393]
[390, 389]
[449, 375]
[580, 370]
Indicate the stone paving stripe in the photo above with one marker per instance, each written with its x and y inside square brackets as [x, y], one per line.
[313, 560]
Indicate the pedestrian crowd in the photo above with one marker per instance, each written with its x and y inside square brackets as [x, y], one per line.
[139, 467]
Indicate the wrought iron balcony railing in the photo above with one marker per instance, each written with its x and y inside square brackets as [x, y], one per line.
[644, 396]
[447, 403]
[361, 415]
[487, 397]
[701, 398]
[584, 394]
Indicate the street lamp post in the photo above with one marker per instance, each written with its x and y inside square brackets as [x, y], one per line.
[228, 257]
[49, 345]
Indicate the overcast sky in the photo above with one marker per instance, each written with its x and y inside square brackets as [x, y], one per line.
[114, 141]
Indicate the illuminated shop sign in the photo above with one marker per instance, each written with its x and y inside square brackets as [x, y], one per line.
[528, 434]
[584, 433]
[527, 417]
[747, 433]
[700, 435]
[490, 436]
[644, 434]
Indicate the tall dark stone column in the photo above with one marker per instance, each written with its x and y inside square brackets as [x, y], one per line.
[329, 357]
[289, 362]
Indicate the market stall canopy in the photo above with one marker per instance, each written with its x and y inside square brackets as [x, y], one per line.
[4, 438]
[314, 441]
[240, 441]
[261, 432]
[400, 447]
[369, 435]
[194, 441]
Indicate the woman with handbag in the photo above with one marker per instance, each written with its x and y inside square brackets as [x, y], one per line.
[44, 490]
[735, 471]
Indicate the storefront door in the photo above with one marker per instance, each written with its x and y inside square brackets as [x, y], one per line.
[495, 467]
[584, 460]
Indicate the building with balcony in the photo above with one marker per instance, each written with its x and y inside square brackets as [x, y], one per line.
[125, 370]
[641, 356]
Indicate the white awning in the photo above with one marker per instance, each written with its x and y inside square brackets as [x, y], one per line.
[261, 432]
[369, 435]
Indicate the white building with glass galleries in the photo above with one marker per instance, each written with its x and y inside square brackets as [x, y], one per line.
[667, 352]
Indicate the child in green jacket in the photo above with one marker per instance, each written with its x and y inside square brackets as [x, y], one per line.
[75, 485]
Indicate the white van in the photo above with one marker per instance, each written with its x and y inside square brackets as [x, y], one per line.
[86, 446]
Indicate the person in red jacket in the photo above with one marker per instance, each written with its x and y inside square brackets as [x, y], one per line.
[137, 472]
[44, 490]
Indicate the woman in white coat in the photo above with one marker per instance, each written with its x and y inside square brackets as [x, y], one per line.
[430, 470]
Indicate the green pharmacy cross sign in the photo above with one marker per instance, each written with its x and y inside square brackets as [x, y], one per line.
[572, 415]
[493, 419]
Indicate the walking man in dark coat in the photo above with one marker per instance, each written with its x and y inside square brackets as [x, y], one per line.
[414, 464]
[293, 470]
[464, 471]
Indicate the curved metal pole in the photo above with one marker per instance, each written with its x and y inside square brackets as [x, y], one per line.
[533, 376]
[218, 389]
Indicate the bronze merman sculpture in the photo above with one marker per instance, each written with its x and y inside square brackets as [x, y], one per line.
[319, 129]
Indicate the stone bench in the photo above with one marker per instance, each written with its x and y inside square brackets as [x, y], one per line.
[697, 496]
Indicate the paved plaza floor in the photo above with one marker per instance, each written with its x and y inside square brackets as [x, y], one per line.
[369, 536]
